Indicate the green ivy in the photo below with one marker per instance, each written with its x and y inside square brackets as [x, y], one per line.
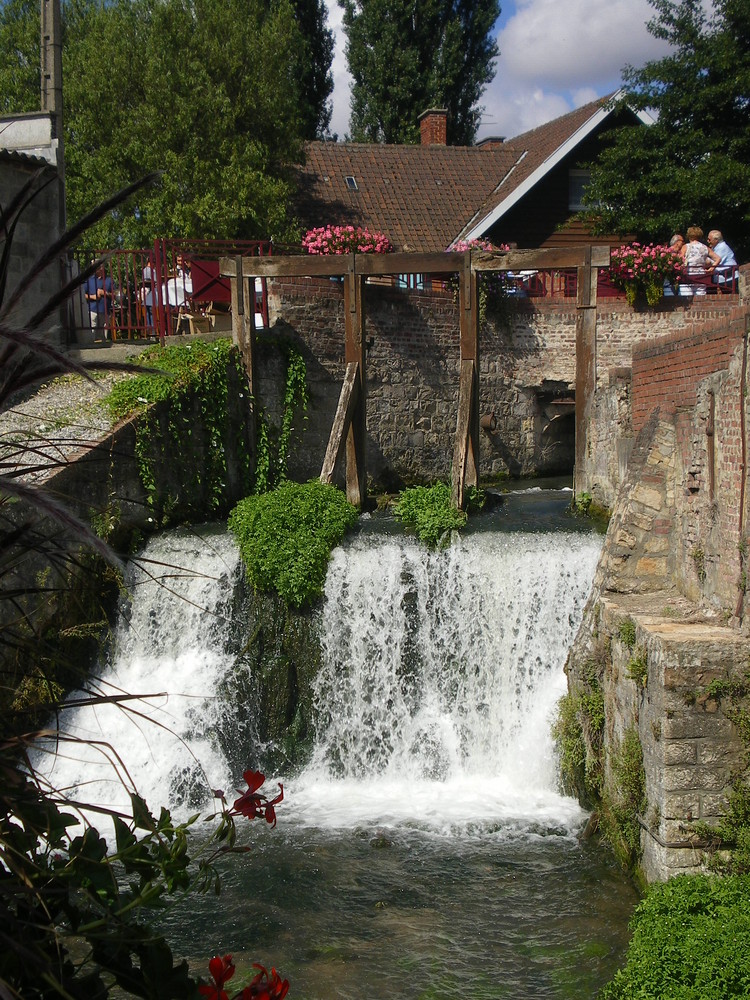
[428, 510]
[578, 732]
[627, 800]
[196, 457]
[286, 537]
[271, 469]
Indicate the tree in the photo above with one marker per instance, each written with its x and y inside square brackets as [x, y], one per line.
[215, 95]
[314, 75]
[408, 57]
[20, 75]
[205, 92]
[692, 167]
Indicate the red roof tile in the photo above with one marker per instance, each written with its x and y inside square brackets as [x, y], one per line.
[423, 197]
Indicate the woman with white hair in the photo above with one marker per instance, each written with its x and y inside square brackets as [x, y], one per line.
[724, 271]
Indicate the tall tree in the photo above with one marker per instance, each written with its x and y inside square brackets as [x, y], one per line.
[406, 56]
[20, 75]
[314, 74]
[206, 91]
[693, 165]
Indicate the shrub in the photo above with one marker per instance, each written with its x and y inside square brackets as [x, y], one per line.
[691, 941]
[428, 510]
[286, 536]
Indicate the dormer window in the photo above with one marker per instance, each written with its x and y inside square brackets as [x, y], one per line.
[351, 183]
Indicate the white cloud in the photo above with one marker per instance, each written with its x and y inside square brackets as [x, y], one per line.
[554, 56]
[557, 56]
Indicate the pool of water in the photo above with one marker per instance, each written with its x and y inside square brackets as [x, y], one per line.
[376, 913]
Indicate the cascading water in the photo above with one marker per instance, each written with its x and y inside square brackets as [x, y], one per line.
[441, 672]
[424, 850]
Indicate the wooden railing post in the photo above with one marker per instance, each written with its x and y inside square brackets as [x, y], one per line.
[585, 357]
[354, 353]
[243, 336]
[465, 469]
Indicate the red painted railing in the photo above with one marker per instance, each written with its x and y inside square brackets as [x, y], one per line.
[173, 287]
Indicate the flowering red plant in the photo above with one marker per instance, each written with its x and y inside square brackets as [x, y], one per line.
[265, 987]
[222, 970]
[262, 986]
[254, 805]
[345, 239]
[493, 285]
[640, 268]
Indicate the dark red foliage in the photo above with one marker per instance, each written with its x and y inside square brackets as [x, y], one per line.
[265, 987]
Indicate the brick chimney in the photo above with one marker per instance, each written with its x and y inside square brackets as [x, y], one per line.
[433, 126]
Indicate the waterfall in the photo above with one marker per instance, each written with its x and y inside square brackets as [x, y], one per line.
[171, 648]
[440, 674]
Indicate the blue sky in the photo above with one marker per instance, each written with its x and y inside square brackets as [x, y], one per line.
[554, 56]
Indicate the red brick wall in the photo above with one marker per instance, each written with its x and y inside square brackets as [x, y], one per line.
[668, 371]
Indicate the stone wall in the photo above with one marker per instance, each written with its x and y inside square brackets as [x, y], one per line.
[674, 565]
[527, 379]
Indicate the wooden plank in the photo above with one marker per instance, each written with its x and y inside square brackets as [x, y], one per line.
[341, 423]
[297, 266]
[462, 448]
[318, 265]
[545, 258]
[354, 352]
[408, 263]
[585, 365]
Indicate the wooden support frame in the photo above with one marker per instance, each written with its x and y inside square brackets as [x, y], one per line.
[348, 433]
[465, 467]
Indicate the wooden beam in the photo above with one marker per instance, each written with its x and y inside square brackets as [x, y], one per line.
[341, 423]
[463, 459]
[355, 353]
[585, 364]
[544, 258]
[317, 265]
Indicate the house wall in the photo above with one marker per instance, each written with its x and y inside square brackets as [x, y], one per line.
[37, 227]
[542, 217]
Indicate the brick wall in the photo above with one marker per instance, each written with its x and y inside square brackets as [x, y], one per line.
[668, 371]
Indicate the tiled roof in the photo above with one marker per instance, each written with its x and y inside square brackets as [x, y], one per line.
[423, 197]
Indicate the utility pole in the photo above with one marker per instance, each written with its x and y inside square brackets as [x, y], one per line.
[52, 86]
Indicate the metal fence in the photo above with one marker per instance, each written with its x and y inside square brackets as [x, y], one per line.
[171, 288]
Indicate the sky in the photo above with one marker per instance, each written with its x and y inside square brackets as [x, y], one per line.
[555, 55]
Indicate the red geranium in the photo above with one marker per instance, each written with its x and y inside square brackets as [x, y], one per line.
[254, 805]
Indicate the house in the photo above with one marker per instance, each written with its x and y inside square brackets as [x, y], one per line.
[526, 190]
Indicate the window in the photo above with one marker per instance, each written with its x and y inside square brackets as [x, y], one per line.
[577, 181]
[351, 183]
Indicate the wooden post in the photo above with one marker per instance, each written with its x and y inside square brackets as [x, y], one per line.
[354, 353]
[243, 336]
[585, 361]
[243, 320]
[465, 469]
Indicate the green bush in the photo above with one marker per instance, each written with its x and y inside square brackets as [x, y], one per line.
[428, 510]
[691, 941]
[628, 799]
[286, 536]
